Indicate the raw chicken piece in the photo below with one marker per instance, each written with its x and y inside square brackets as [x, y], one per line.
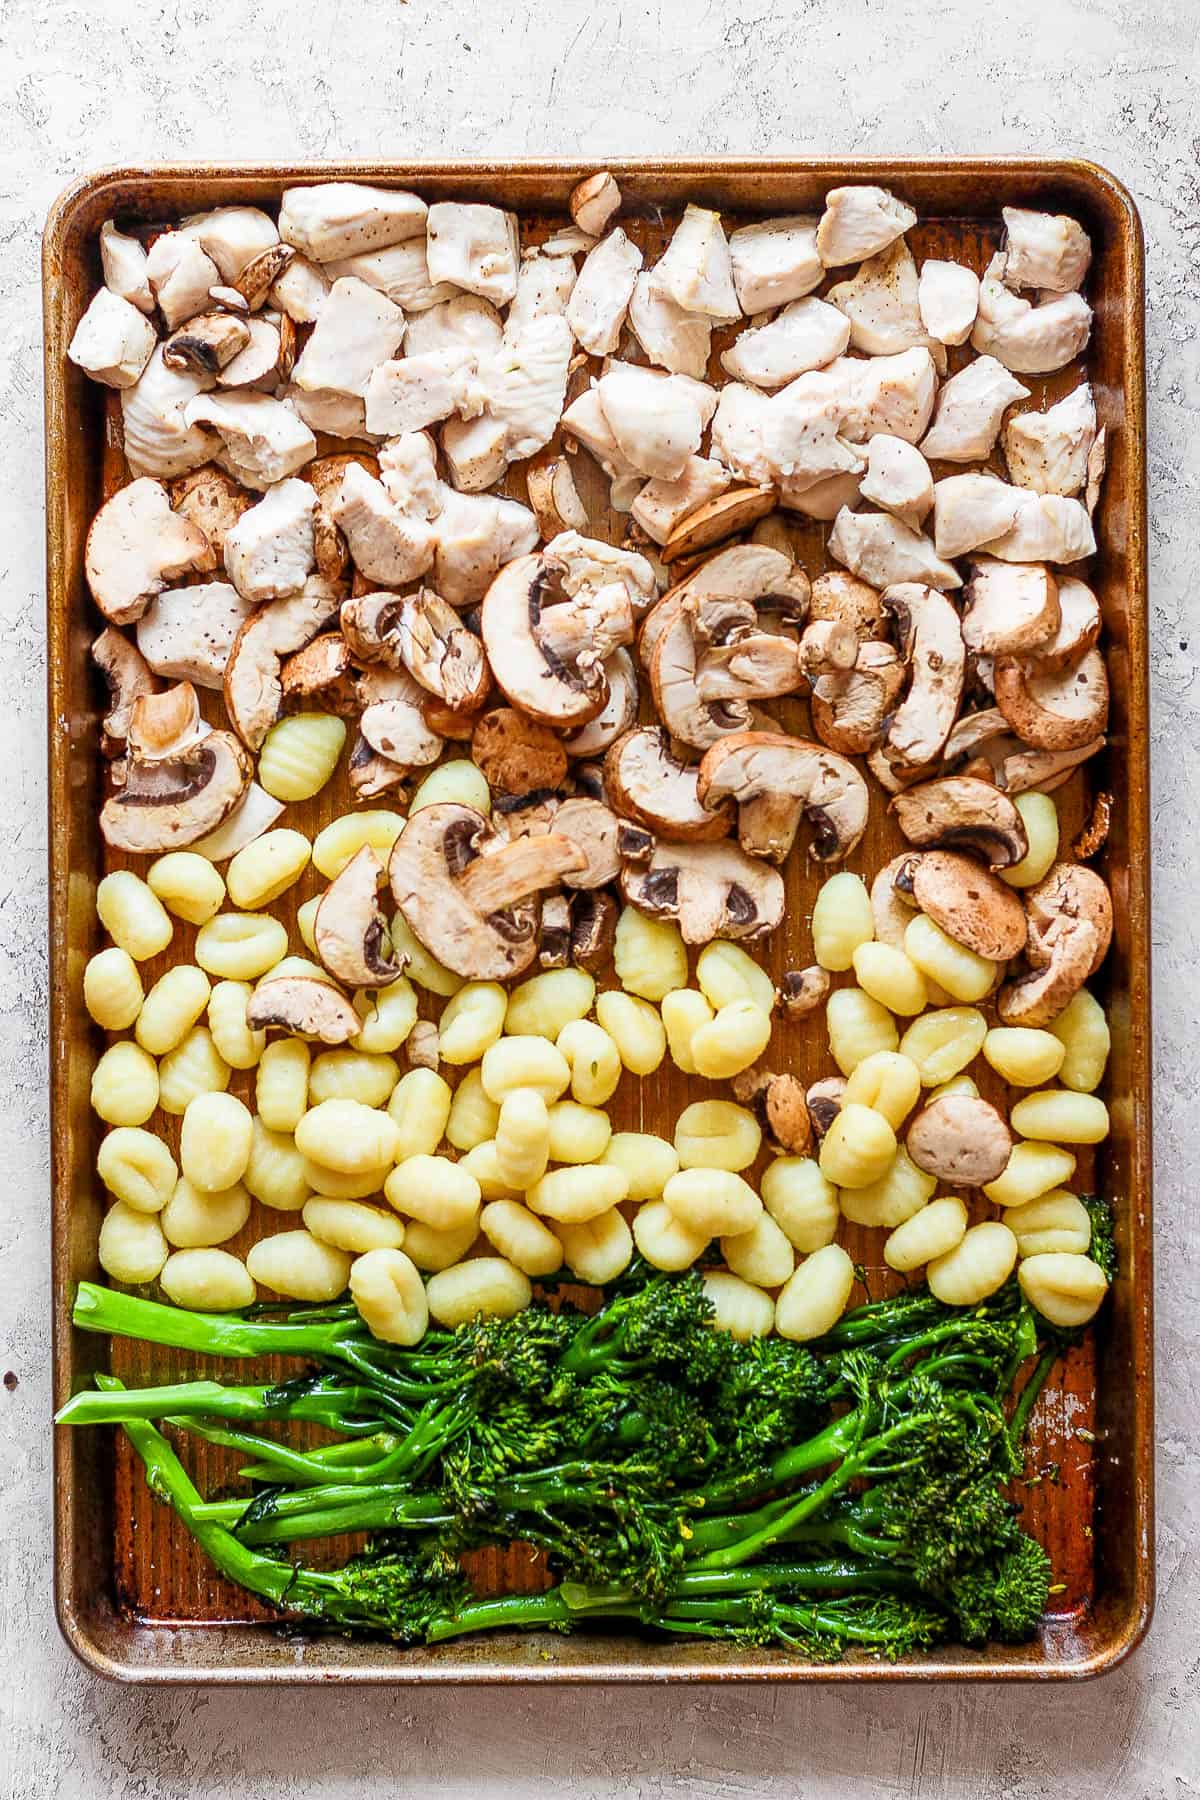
[737, 432]
[657, 420]
[880, 302]
[1031, 340]
[601, 295]
[802, 432]
[523, 383]
[948, 298]
[1048, 451]
[269, 550]
[1047, 528]
[774, 261]
[358, 329]
[898, 479]
[416, 391]
[889, 393]
[881, 550]
[969, 410]
[859, 222]
[475, 247]
[970, 510]
[675, 339]
[544, 286]
[464, 323]
[1044, 250]
[388, 546]
[805, 335]
[695, 268]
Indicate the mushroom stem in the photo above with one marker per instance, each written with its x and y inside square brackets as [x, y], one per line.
[505, 875]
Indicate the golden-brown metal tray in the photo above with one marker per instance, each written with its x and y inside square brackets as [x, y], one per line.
[135, 1599]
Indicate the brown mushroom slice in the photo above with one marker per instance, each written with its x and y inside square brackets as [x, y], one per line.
[128, 676]
[323, 673]
[552, 673]
[850, 709]
[500, 877]
[163, 723]
[1091, 840]
[778, 1103]
[516, 755]
[372, 774]
[135, 546]
[1055, 709]
[206, 343]
[555, 498]
[438, 846]
[1022, 770]
[170, 801]
[594, 829]
[646, 781]
[252, 682]
[304, 1006]
[594, 916]
[392, 720]
[441, 652]
[370, 624]
[711, 890]
[776, 781]
[892, 904]
[266, 359]
[709, 662]
[930, 641]
[828, 647]
[620, 709]
[824, 1102]
[1070, 929]
[801, 991]
[841, 596]
[1068, 895]
[717, 519]
[1010, 609]
[971, 905]
[971, 732]
[261, 273]
[750, 572]
[350, 930]
[1078, 627]
[962, 1140]
[963, 812]
[554, 932]
[214, 501]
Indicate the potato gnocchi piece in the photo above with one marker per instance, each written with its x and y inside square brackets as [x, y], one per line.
[473, 1115]
[858, 1149]
[932, 1232]
[713, 1202]
[578, 1134]
[214, 1141]
[236, 1043]
[419, 965]
[1082, 1030]
[133, 915]
[900, 1191]
[964, 975]
[762, 1255]
[1039, 815]
[299, 754]
[1056, 1223]
[472, 1022]
[739, 1307]
[646, 1161]
[649, 955]
[433, 1250]
[347, 1137]
[187, 884]
[137, 1168]
[522, 1139]
[635, 1028]
[263, 870]
[281, 1083]
[195, 1220]
[125, 1085]
[390, 1296]
[388, 1015]
[419, 1108]
[434, 1190]
[349, 1225]
[815, 1298]
[980, 1262]
[240, 946]
[1031, 1171]
[352, 1075]
[485, 1287]
[731, 1041]
[717, 1134]
[842, 920]
[858, 1027]
[294, 1264]
[193, 1068]
[664, 1239]
[1061, 1116]
[725, 972]
[944, 1042]
[112, 989]
[171, 1008]
[1022, 1056]
[801, 1202]
[545, 1004]
[593, 1059]
[887, 1082]
[573, 1195]
[522, 1239]
[207, 1280]
[1067, 1290]
[132, 1248]
[890, 977]
[598, 1250]
[524, 1062]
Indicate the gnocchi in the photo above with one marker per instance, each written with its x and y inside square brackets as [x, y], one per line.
[419, 965]
[964, 975]
[522, 1139]
[979, 1263]
[125, 1085]
[858, 1027]
[577, 1193]
[684, 1011]
[1061, 1116]
[346, 1136]
[1039, 815]
[729, 1042]
[649, 955]
[281, 1083]
[240, 946]
[487, 1287]
[842, 920]
[171, 1008]
[132, 1248]
[1083, 1032]
[890, 977]
[1055, 1222]
[599, 1249]
[739, 1307]
[341, 841]
[352, 1075]
[763, 1255]
[195, 1220]
[214, 1141]
[524, 1062]
[472, 1022]
[390, 1296]
[1067, 1290]
[1023, 1057]
[932, 1232]
[593, 1060]
[207, 1280]
[187, 884]
[349, 1225]
[664, 1239]
[435, 1190]
[887, 1082]
[859, 1147]
[802, 1202]
[578, 1134]
[236, 1043]
[713, 1202]
[717, 1134]
[433, 1250]
[646, 1161]
[194, 1067]
[814, 1299]
[546, 1003]
[266, 868]
[295, 1264]
[299, 754]
[521, 1238]
[725, 972]
[944, 1042]
[133, 915]
[388, 1016]
[112, 989]
[419, 1108]
[473, 1115]
[137, 1167]
[635, 1028]
[900, 1191]
[460, 782]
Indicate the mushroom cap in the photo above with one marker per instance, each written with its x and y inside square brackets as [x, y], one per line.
[1078, 626]
[930, 640]
[1055, 709]
[960, 1139]
[971, 905]
[892, 904]
[962, 811]
[801, 991]
[135, 545]
[323, 670]
[824, 1102]
[1070, 929]
[128, 676]
[393, 721]
[213, 501]
[775, 781]
[646, 781]
[838, 595]
[170, 801]
[1071, 893]
[1010, 609]
[441, 652]
[593, 828]
[477, 929]
[712, 890]
[1023, 769]
[516, 755]
[533, 678]
[850, 708]
[252, 685]
[305, 1006]
[593, 928]
[350, 930]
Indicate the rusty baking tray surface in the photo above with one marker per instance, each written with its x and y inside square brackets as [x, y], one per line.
[136, 1600]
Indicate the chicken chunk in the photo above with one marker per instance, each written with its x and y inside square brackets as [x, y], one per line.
[301, 291]
[476, 452]
[881, 550]
[898, 479]
[408, 470]
[123, 260]
[263, 439]
[334, 219]
[1044, 250]
[657, 420]
[159, 438]
[113, 341]
[1048, 528]
[186, 634]
[969, 410]
[737, 432]
[881, 304]
[948, 300]
[859, 222]
[970, 510]
[585, 421]
[269, 551]
[232, 236]
[416, 391]
[601, 295]
[180, 275]
[805, 335]
[523, 383]
[465, 323]
[889, 393]
[544, 287]
[775, 261]
[358, 329]
[675, 339]
[401, 272]
[474, 247]
[695, 269]
[388, 546]
[1028, 339]
[803, 434]
[1048, 451]
[476, 534]
[661, 505]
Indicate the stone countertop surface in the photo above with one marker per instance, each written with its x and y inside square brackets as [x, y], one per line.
[86, 82]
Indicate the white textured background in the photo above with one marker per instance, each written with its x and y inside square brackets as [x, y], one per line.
[84, 82]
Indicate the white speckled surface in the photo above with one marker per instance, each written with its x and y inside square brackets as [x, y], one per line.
[84, 82]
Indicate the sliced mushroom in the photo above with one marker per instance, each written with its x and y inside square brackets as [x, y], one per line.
[593, 928]
[170, 801]
[1078, 626]
[971, 905]
[159, 438]
[554, 932]
[836, 595]
[778, 1102]
[593, 829]
[1011, 609]
[266, 359]
[722, 517]
[135, 546]
[549, 659]
[128, 676]
[554, 498]
[350, 930]
[708, 653]
[305, 1007]
[962, 1140]
[1058, 709]
[392, 720]
[1092, 839]
[372, 774]
[323, 673]
[251, 683]
[776, 781]
[850, 709]
[214, 501]
[481, 922]
[620, 710]
[441, 652]
[1022, 770]
[207, 343]
[187, 633]
[801, 991]
[516, 755]
[827, 647]
[824, 1102]
[711, 890]
[962, 812]
[1070, 929]
[930, 640]
[646, 781]
[593, 202]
